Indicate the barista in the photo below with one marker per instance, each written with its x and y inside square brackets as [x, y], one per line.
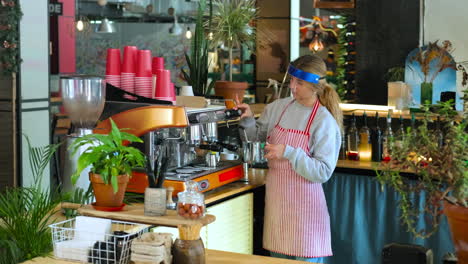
[303, 136]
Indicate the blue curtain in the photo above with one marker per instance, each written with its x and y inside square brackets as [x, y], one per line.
[364, 218]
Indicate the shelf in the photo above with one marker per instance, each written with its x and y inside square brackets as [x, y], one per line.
[135, 213]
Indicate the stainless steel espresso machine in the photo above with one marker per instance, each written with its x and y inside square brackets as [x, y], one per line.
[178, 151]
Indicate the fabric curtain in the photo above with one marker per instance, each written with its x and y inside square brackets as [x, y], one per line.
[365, 217]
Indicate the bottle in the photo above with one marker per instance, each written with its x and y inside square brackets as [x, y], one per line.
[387, 139]
[439, 135]
[400, 132]
[353, 140]
[376, 139]
[365, 148]
[343, 147]
[413, 125]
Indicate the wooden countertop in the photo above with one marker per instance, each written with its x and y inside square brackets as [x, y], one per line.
[256, 179]
[212, 257]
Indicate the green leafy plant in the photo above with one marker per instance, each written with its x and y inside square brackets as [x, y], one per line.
[395, 74]
[25, 213]
[231, 22]
[197, 62]
[107, 155]
[441, 170]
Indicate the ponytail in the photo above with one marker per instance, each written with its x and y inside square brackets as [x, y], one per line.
[330, 99]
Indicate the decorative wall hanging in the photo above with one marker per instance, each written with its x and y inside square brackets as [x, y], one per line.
[430, 71]
[10, 16]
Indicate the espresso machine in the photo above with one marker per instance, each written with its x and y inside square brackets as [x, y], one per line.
[83, 98]
[181, 143]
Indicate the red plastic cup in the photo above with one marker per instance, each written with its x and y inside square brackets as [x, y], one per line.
[172, 92]
[157, 64]
[113, 62]
[163, 82]
[143, 68]
[129, 59]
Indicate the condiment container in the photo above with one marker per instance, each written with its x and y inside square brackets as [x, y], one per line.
[191, 203]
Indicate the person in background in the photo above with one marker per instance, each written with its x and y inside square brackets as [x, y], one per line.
[303, 136]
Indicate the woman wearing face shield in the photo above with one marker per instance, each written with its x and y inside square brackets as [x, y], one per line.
[303, 136]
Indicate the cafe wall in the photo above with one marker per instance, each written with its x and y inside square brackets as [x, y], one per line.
[447, 20]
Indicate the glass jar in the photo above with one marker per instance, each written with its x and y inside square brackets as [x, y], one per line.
[191, 203]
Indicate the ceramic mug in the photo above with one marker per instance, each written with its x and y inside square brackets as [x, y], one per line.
[186, 90]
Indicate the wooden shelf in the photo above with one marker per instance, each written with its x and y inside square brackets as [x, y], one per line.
[135, 213]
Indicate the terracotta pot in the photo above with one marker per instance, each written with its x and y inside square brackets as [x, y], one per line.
[104, 193]
[458, 221]
[229, 90]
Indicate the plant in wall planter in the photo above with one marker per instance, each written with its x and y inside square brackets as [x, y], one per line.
[111, 162]
[442, 174]
[231, 27]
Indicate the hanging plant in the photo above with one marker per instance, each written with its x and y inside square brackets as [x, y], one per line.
[10, 16]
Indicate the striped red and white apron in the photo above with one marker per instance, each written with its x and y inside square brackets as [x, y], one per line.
[296, 215]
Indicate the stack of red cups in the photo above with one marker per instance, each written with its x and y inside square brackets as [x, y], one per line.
[164, 89]
[143, 78]
[113, 67]
[128, 69]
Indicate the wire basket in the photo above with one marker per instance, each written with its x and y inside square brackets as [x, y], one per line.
[102, 241]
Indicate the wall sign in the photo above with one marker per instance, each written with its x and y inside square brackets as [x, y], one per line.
[55, 9]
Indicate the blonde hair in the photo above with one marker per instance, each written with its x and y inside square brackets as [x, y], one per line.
[325, 93]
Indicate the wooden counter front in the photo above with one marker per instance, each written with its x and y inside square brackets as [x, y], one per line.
[212, 257]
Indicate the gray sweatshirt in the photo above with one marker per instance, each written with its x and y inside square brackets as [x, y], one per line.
[324, 142]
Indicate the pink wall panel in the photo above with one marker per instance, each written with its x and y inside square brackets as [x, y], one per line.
[68, 7]
[67, 57]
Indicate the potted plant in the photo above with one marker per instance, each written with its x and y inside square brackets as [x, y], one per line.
[197, 62]
[398, 91]
[230, 22]
[25, 212]
[111, 162]
[442, 173]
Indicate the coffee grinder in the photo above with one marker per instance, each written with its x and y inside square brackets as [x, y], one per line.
[83, 97]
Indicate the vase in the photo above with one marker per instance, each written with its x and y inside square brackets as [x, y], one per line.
[104, 193]
[229, 90]
[457, 217]
[426, 92]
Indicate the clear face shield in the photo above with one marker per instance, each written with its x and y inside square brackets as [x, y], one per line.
[297, 73]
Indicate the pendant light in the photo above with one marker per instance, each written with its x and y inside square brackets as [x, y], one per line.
[316, 44]
[188, 33]
[106, 26]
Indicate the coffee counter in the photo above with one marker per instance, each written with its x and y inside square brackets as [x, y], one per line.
[212, 257]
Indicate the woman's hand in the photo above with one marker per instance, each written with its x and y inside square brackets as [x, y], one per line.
[245, 108]
[274, 151]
